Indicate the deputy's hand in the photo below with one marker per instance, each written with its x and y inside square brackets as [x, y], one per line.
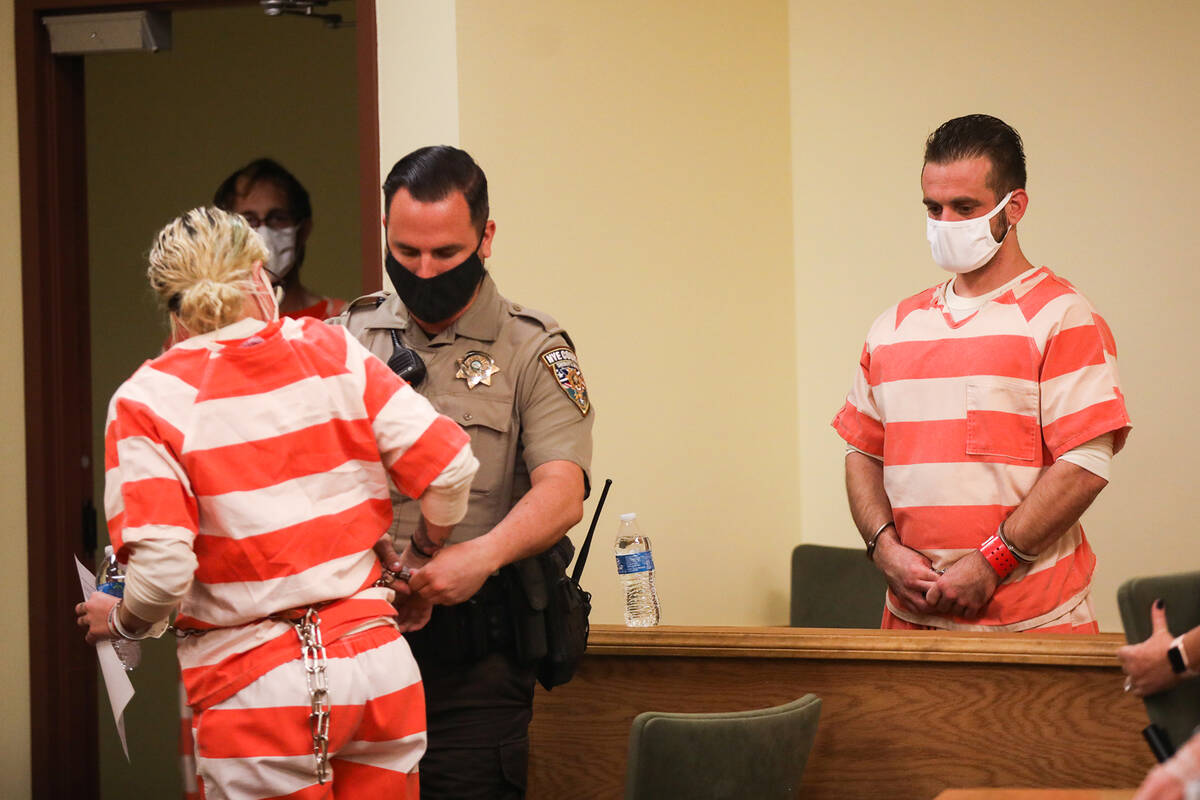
[965, 588]
[1146, 663]
[454, 574]
[93, 616]
[1160, 785]
[908, 573]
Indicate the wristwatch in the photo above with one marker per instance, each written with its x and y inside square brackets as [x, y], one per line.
[1176, 656]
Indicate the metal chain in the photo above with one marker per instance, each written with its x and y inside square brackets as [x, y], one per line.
[313, 649]
[184, 633]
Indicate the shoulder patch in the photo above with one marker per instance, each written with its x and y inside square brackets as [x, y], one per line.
[564, 366]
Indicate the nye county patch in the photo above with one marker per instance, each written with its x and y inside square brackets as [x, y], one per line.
[564, 367]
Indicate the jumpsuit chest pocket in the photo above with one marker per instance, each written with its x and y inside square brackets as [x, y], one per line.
[488, 421]
[1002, 418]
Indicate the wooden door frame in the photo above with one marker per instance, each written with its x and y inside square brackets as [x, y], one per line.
[58, 436]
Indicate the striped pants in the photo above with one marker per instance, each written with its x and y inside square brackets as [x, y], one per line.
[258, 744]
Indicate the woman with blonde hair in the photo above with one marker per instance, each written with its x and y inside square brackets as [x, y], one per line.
[246, 484]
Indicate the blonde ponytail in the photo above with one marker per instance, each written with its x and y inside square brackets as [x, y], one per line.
[201, 267]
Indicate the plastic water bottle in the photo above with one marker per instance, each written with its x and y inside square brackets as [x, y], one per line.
[110, 579]
[635, 565]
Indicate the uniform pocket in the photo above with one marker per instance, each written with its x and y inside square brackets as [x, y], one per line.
[1002, 418]
[488, 421]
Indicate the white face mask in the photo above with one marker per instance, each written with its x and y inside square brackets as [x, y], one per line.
[964, 245]
[281, 247]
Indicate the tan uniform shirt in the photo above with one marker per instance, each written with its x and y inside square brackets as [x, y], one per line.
[531, 409]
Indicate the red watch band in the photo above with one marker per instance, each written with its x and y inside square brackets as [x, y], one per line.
[999, 556]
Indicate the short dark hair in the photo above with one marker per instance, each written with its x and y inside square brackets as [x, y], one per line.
[980, 135]
[432, 173]
[265, 169]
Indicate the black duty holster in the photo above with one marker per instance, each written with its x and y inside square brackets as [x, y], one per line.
[530, 608]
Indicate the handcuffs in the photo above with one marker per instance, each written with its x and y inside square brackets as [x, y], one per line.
[388, 576]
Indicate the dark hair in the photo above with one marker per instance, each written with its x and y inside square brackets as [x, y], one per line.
[980, 135]
[265, 169]
[432, 173]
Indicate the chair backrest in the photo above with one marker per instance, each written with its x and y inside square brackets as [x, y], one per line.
[835, 587]
[1176, 711]
[757, 754]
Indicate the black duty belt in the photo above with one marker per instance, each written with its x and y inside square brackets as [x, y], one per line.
[468, 631]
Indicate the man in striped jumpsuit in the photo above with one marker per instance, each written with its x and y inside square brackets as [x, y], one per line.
[984, 414]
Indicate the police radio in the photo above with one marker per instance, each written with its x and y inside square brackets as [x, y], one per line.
[406, 362]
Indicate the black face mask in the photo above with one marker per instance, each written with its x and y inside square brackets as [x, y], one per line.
[440, 297]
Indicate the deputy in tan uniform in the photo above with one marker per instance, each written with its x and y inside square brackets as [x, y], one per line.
[509, 375]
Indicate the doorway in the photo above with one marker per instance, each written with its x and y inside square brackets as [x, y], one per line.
[111, 147]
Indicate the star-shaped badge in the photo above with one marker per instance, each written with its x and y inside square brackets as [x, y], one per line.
[476, 367]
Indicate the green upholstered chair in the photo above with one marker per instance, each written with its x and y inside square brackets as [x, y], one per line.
[757, 754]
[835, 587]
[1176, 711]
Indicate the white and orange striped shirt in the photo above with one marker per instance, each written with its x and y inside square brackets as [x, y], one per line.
[967, 415]
[247, 476]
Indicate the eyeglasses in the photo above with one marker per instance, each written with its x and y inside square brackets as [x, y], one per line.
[277, 219]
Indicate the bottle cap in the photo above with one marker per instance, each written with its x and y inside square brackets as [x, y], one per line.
[628, 517]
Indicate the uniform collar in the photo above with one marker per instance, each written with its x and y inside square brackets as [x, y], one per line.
[482, 321]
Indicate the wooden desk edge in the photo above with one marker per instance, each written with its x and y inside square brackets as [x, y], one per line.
[1036, 794]
[1092, 650]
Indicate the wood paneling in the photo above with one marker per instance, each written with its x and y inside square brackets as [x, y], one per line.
[903, 716]
[58, 438]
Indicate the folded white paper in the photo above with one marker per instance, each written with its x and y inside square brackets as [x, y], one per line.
[116, 680]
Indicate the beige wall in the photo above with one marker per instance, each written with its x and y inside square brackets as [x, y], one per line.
[608, 142]
[1105, 96]
[14, 590]
[637, 161]
[418, 80]
[418, 76]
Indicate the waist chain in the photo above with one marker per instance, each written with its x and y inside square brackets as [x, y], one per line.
[313, 650]
[307, 623]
